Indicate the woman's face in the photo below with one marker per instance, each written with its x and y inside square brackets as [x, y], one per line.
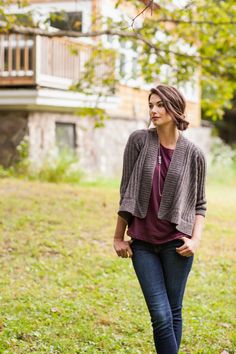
[158, 114]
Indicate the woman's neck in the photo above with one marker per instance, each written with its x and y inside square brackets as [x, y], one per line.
[168, 137]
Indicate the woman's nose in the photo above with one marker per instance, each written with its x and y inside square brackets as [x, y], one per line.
[155, 109]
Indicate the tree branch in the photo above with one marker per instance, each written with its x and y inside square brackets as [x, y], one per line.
[149, 5]
[73, 34]
[193, 22]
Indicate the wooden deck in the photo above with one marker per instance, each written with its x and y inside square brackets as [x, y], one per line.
[40, 60]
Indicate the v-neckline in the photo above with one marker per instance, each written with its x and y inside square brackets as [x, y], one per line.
[173, 156]
[178, 141]
[167, 147]
[177, 155]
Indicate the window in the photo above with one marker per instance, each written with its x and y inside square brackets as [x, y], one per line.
[123, 43]
[122, 65]
[66, 136]
[110, 38]
[70, 21]
[134, 68]
[134, 46]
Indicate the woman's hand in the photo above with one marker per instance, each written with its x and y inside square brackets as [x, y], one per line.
[122, 248]
[188, 248]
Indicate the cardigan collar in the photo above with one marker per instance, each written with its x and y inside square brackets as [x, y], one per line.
[176, 166]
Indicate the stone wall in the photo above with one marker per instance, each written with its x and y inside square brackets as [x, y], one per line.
[99, 150]
[41, 135]
[201, 136]
[13, 127]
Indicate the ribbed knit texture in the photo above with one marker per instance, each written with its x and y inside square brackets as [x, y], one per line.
[183, 195]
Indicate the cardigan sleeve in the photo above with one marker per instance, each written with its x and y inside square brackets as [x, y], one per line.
[201, 180]
[131, 152]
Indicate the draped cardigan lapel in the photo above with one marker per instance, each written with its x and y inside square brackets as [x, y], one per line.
[145, 172]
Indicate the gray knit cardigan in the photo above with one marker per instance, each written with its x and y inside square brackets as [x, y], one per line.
[183, 194]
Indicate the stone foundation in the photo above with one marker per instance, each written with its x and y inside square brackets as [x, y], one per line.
[100, 150]
[13, 127]
[201, 136]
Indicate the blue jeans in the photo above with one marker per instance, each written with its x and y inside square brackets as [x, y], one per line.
[162, 274]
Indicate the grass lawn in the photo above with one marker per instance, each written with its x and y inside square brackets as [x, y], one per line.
[63, 289]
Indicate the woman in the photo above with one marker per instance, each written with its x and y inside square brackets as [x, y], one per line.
[163, 206]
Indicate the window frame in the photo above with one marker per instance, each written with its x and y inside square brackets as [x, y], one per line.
[65, 20]
[74, 143]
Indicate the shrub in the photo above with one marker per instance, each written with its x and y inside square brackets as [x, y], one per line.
[222, 167]
[57, 166]
[64, 167]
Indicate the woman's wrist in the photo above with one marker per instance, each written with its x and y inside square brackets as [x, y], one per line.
[196, 241]
[196, 237]
[119, 238]
[120, 229]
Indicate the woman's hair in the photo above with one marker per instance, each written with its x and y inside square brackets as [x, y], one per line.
[173, 102]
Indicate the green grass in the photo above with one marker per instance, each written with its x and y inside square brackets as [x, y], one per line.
[63, 289]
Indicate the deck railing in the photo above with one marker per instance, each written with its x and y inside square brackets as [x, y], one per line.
[39, 60]
[17, 59]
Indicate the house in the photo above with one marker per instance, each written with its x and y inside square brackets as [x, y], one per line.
[36, 72]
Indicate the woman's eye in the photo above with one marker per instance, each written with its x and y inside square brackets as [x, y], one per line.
[160, 105]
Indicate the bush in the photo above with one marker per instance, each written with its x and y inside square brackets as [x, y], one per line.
[57, 166]
[4, 172]
[64, 167]
[222, 167]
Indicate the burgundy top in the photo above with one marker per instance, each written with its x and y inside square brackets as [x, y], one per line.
[151, 229]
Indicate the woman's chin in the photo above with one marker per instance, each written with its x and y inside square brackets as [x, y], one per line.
[156, 122]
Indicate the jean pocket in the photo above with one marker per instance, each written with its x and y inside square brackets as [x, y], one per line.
[134, 242]
[177, 242]
[131, 241]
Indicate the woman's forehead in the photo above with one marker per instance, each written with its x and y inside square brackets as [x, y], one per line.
[154, 98]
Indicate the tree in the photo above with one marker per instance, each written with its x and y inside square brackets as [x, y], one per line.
[197, 37]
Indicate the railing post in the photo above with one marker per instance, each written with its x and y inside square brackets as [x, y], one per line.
[10, 54]
[26, 56]
[36, 54]
[1, 53]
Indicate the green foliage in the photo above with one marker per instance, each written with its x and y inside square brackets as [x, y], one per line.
[64, 167]
[22, 165]
[58, 166]
[222, 154]
[98, 79]
[198, 36]
[222, 166]
[20, 19]
[99, 74]
[97, 115]
[4, 172]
